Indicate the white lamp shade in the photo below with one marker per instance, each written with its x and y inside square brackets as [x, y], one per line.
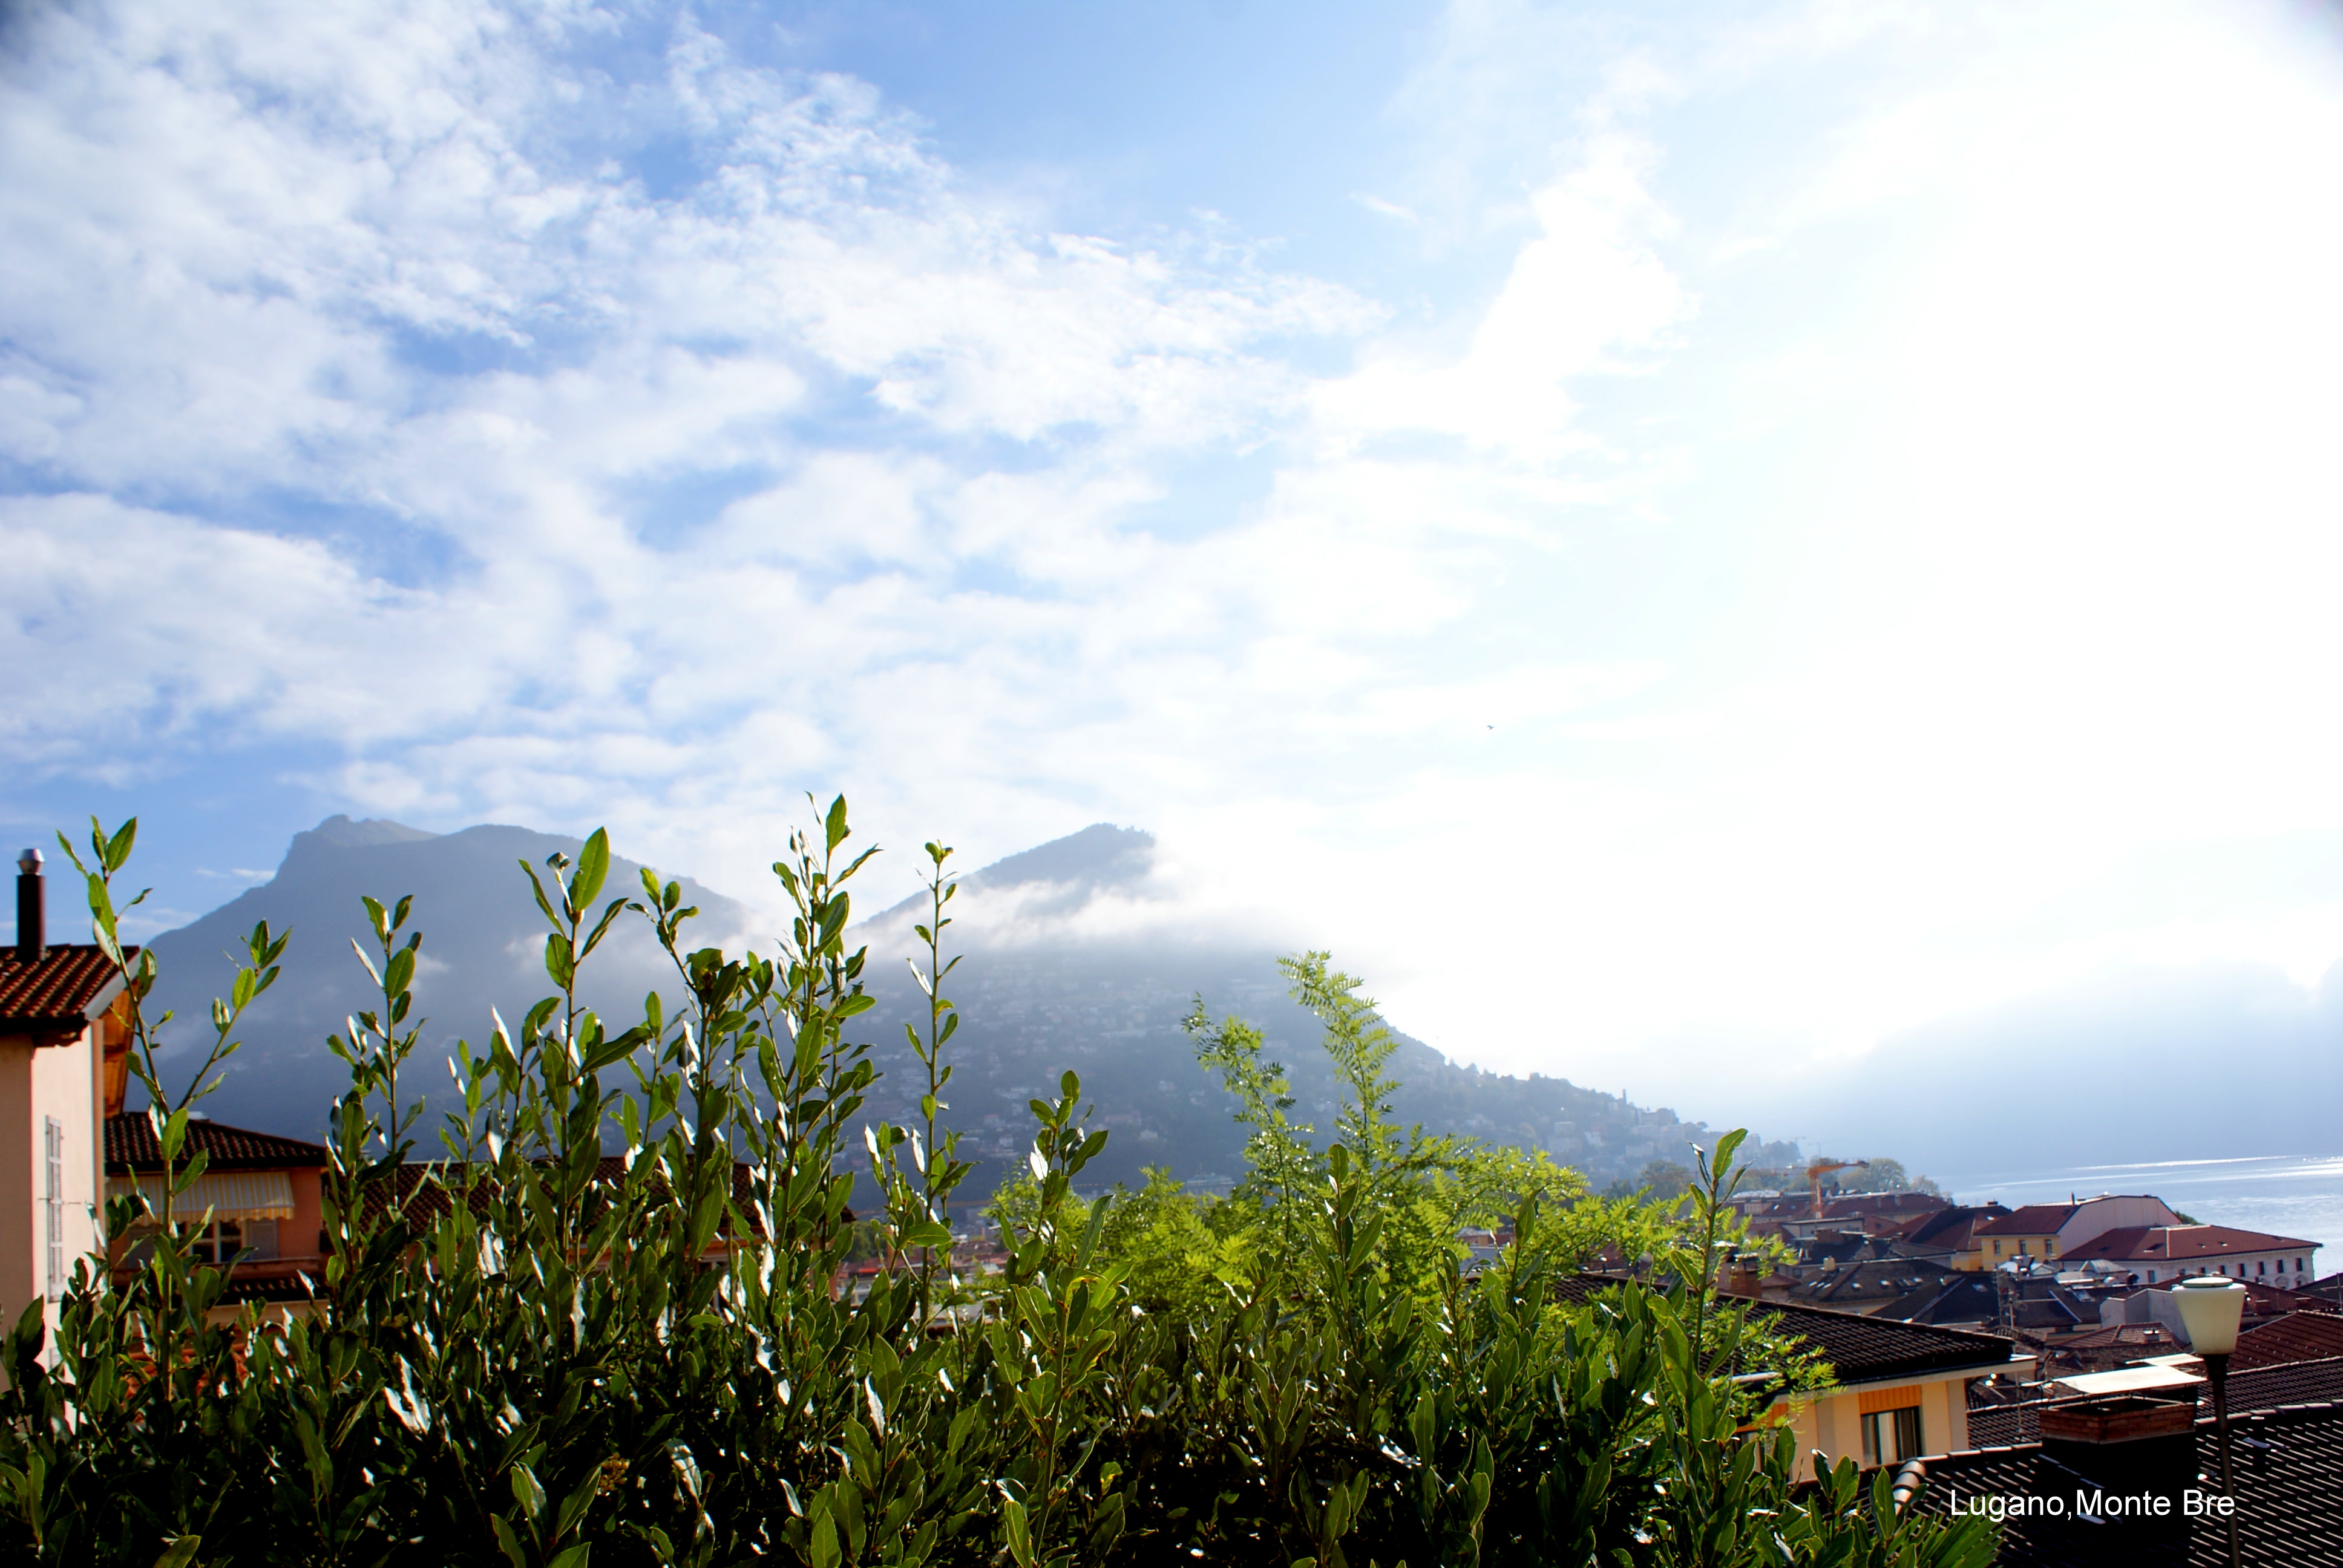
[2209, 1311]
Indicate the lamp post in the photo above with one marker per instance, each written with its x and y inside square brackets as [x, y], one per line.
[2209, 1311]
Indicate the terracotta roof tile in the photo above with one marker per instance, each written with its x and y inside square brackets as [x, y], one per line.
[69, 986]
[2295, 1382]
[2032, 1220]
[2296, 1337]
[2183, 1244]
[130, 1146]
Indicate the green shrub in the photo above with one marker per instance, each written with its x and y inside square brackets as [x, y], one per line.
[532, 1356]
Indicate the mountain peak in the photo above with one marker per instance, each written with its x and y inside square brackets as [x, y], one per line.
[343, 833]
[1100, 853]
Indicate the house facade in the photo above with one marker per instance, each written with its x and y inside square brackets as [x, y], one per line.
[1903, 1388]
[64, 1039]
[2158, 1254]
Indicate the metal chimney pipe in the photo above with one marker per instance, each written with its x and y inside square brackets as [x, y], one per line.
[32, 913]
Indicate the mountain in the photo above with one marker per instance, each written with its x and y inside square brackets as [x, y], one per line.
[1073, 958]
[483, 947]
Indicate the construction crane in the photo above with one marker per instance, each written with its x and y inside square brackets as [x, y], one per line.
[1822, 1167]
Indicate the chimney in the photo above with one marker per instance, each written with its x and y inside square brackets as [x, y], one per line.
[32, 917]
[2126, 1452]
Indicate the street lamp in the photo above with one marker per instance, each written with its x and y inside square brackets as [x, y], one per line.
[2209, 1311]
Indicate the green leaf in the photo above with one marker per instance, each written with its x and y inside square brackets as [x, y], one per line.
[575, 1557]
[1020, 1540]
[181, 1551]
[508, 1540]
[117, 855]
[833, 826]
[527, 1492]
[593, 868]
[399, 975]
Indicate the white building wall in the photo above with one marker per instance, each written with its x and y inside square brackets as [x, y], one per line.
[2097, 1216]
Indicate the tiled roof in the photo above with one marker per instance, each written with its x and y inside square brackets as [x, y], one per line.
[2045, 1313]
[1853, 1203]
[72, 984]
[2266, 1388]
[130, 1146]
[1860, 1349]
[2180, 1244]
[2295, 1382]
[2033, 1220]
[1953, 1228]
[2296, 1337]
[2288, 1466]
[1870, 1281]
[1948, 1298]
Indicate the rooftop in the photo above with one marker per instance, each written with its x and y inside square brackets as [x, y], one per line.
[2181, 1243]
[2296, 1337]
[2289, 1470]
[1860, 1349]
[71, 984]
[130, 1145]
[2032, 1220]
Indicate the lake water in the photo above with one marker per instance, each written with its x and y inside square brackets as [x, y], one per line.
[2298, 1196]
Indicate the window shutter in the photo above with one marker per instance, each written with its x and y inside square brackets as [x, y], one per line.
[53, 1143]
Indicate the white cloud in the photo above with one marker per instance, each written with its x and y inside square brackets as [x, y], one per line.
[1869, 499]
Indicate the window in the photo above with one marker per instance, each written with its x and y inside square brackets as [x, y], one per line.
[2262, 1267]
[219, 1242]
[1891, 1436]
[53, 1203]
[2151, 1276]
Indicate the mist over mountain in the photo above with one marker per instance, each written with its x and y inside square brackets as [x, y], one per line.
[1073, 958]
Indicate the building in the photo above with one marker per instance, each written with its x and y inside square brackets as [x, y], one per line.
[262, 1193]
[2157, 1253]
[2052, 1231]
[64, 1047]
[1903, 1389]
[1954, 1231]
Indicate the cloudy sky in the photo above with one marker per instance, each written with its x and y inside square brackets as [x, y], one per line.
[1686, 542]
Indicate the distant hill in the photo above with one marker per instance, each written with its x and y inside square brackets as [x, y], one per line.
[1038, 995]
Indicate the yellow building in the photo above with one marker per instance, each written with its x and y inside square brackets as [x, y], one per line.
[2049, 1231]
[1902, 1389]
[2028, 1232]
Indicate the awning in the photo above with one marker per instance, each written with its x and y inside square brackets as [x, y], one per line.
[229, 1195]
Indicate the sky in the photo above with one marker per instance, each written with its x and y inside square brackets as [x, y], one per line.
[1688, 544]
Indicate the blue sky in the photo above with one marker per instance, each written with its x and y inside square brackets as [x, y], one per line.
[1686, 542]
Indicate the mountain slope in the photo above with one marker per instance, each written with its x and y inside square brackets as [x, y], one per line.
[1040, 992]
[483, 947]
